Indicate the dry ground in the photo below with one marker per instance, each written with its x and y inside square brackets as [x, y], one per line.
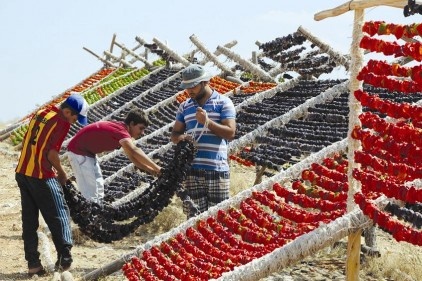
[399, 261]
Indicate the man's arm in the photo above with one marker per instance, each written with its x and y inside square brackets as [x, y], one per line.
[225, 130]
[139, 158]
[178, 132]
[53, 157]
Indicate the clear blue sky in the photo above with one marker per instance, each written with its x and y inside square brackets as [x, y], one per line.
[41, 51]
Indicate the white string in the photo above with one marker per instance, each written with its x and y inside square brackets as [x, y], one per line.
[207, 121]
[45, 250]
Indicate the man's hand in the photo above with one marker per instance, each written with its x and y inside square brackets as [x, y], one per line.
[186, 137]
[157, 172]
[201, 115]
[62, 178]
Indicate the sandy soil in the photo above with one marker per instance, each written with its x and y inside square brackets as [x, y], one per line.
[399, 261]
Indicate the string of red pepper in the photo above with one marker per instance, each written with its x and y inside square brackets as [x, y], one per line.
[408, 49]
[373, 182]
[398, 230]
[384, 68]
[307, 202]
[398, 30]
[391, 151]
[234, 237]
[392, 109]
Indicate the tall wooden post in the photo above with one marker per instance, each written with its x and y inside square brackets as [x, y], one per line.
[355, 109]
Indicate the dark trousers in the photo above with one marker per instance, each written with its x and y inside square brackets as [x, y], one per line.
[45, 196]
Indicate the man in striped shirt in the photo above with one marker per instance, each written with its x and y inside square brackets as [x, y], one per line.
[208, 118]
[40, 176]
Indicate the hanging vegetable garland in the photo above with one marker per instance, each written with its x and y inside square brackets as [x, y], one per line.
[391, 152]
[104, 223]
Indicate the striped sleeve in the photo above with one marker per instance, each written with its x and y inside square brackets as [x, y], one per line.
[228, 111]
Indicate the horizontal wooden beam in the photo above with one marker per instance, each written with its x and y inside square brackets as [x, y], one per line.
[399, 5]
[357, 4]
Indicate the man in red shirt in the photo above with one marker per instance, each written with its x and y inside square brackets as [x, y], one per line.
[104, 136]
[40, 176]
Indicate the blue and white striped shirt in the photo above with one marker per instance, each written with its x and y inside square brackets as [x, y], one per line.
[212, 149]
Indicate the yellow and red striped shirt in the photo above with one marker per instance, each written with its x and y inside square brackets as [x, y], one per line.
[47, 131]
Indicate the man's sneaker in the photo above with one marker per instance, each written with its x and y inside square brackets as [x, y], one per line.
[40, 271]
[64, 264]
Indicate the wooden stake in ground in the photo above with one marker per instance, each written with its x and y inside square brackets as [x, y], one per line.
[353, 256]
[259, 173]
[355, 109]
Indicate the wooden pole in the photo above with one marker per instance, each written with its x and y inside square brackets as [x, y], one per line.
[217, 53]
[353, 256]
[276, 70]
[98, 57]
[147, 63]
[210, 56]
[111, 45]
[5, 133]
[173, 54]
[141, 43]
[264, 76]
[254, 58]
[259, 173]
[357, 5]
[122, 61]
[140, 40]
[355, 109]
[338, 58]
[108, 269]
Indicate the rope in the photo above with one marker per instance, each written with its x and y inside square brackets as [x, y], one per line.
[207, 121]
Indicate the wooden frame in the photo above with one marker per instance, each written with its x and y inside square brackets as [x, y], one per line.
[356, 5]
[359, 6]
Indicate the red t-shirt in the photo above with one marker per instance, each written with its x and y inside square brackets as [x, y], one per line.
[47, 131]
[98, 137]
